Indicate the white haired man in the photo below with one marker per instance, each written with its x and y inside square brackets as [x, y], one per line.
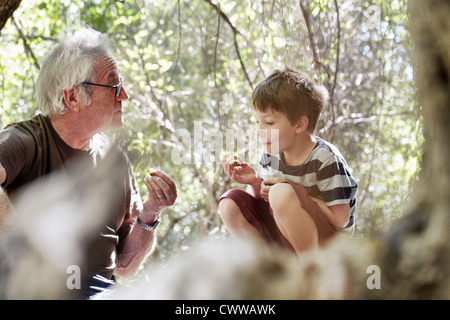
[80, 92]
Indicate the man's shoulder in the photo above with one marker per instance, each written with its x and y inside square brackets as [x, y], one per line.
[28, 123]
[25, 130]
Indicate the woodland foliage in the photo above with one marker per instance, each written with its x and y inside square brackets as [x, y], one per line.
[190, 66]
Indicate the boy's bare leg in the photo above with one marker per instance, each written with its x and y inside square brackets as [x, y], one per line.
[235, 221]
[293, 221]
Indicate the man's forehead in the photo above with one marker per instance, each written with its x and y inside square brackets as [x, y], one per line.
[106, 67]
[113, 74]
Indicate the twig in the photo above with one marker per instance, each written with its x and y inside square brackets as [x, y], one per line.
[215, 50]
[337, 61]
[164, 105]
[317, 63]
[235, 34]
[178, 53]
[25, 43]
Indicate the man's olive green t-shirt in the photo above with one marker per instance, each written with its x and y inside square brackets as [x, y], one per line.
[31, 149]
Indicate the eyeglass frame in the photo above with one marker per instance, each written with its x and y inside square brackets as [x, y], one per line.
[118, 86]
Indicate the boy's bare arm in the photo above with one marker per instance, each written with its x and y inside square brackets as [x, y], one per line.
[256, 188]
[338, 215]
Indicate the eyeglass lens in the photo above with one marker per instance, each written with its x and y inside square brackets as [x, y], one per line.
[119, 87]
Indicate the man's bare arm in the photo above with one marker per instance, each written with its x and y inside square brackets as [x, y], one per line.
[139, 243]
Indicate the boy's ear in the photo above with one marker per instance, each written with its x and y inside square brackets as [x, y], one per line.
[302, 124]
[72, 99]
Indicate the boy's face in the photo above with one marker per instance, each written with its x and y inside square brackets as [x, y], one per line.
[275, 131]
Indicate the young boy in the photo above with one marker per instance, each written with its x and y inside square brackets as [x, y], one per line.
[303, 192]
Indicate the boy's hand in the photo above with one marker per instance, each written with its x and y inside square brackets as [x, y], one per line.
[239, 171]
[266, 185]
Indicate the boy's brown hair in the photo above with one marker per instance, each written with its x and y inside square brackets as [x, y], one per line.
[292, 93]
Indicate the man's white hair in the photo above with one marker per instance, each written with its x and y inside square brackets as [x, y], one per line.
[66, 66]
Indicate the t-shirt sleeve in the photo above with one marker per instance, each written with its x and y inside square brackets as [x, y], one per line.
[133, 202]
[335, 182]
[17, 151]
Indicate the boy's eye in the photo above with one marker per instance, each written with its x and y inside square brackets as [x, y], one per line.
[269, 123]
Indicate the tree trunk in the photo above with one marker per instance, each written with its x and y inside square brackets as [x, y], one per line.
[423, 235]
[7, 8]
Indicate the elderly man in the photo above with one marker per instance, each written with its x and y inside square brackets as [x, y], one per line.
[80, 93]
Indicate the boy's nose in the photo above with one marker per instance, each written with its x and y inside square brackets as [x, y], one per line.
[262, 133]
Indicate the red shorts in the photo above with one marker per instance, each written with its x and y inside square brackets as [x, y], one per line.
[259, 214]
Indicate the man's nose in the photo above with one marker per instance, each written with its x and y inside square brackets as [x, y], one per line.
[123, 95]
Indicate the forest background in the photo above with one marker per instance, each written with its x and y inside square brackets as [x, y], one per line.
[190, 66]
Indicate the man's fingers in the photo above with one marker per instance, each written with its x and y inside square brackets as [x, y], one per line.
[162, 180]
[161, 188]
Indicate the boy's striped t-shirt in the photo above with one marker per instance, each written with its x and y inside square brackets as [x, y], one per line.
[325, 175]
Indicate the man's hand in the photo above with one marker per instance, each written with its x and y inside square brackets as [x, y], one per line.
[162, 193]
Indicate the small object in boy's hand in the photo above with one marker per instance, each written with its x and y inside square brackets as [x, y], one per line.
[152, 172]
[235, 163]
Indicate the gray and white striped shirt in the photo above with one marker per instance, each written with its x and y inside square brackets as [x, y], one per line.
[325, 175]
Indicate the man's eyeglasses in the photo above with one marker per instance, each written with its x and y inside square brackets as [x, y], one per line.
[116, 86]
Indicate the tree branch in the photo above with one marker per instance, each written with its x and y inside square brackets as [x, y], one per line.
[177, 59]
[235, 34]
[215, 50]
[317, 63]
[25, 43]
[178, 54]
[337, 60]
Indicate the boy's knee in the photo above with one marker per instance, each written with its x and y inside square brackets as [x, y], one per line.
[227, 207]
[281, 194]
[227, 203]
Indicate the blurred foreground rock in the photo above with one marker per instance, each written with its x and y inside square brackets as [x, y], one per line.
[53, 223]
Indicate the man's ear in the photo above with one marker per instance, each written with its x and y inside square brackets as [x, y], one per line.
[72, 99]
[302, 124]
